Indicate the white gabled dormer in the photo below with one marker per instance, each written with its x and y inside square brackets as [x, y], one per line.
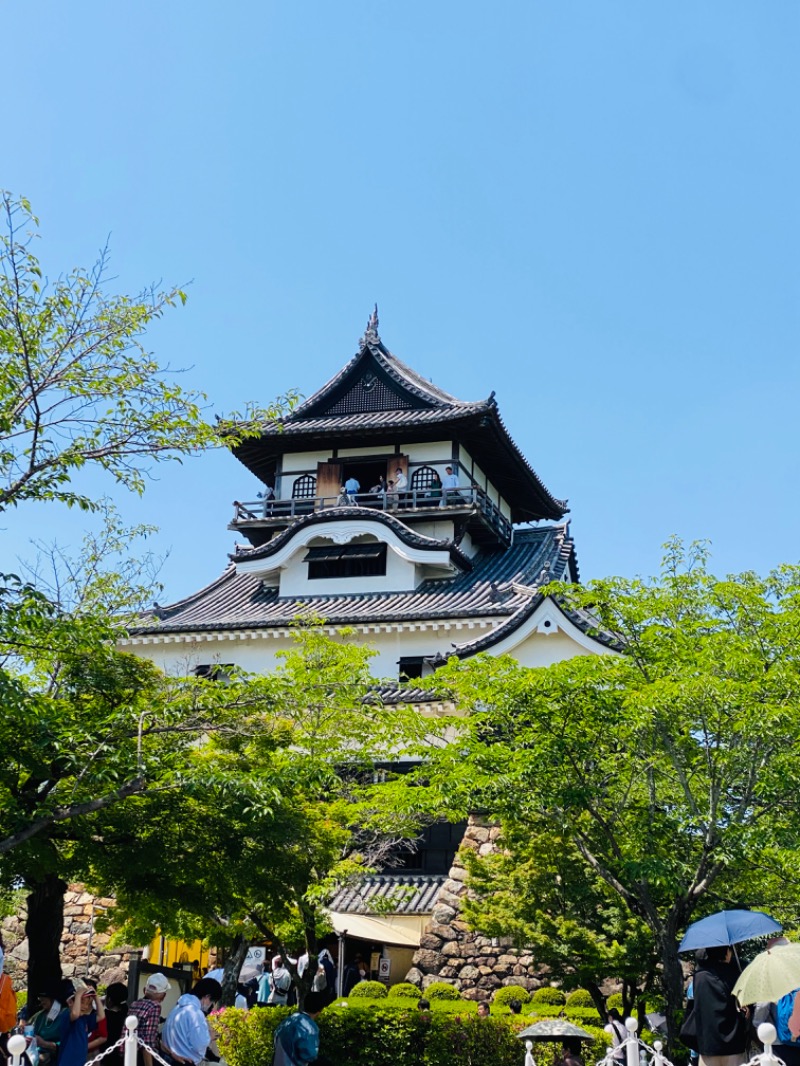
[355, 553]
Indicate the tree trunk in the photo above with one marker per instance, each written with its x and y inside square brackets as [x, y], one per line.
[233, 967]
[44, 927]
[598, 999]
[672, 983]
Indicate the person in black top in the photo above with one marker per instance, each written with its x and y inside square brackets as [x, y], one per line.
[722, 1029]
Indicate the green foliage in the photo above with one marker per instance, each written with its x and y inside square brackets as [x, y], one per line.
[504, 995]
[368, 990]
[644, 779]
[404, 990]
[441, 990]
[615, 1001]
[77, 385]
[548, 994]
[580, 998]
[381, 1036]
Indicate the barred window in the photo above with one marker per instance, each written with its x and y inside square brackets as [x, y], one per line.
[347, 560]
[304, 488]
[424, 478]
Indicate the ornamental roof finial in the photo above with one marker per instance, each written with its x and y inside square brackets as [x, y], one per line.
[371, 332]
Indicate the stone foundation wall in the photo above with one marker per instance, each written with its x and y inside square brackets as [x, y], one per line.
[77, 957]
[449, 951]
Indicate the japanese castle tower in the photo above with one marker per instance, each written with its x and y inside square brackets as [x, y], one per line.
[443, 549]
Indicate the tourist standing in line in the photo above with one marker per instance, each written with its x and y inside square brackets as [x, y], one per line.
[186, 1033]
[297, 1037]
[722, 1029]
[148, 1013]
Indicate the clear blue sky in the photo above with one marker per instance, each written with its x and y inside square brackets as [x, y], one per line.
[591, 208]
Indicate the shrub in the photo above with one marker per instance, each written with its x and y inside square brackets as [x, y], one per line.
[552, 997]
[373, 1032]
[580, 998]
[405, 990]
[368, 990]
[441, 990]
[503, 996]
[614, 1001]
[583, 1014]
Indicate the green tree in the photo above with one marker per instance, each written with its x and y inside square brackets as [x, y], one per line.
[282, 812]
[78, 387]
[668, 769]
[536, 888]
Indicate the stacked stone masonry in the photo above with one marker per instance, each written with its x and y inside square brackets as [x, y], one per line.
[78, 955]
[450, 951]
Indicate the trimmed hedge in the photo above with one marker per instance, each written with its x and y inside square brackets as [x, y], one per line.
[405, 990]
[549, 996]
[580, 998]
[504, 995]
[614, 1001]
[441, 990]
[368, 990]
[369, 1032]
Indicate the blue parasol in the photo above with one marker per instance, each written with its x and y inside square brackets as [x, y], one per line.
[726, 928]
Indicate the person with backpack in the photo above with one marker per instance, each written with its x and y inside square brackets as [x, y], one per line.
[280, 983]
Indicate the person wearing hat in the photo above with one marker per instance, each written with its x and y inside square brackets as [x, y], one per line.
[46, 1024]
[85, 1011]
[148, 1012]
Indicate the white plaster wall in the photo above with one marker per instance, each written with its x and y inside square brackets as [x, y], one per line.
[304, 461]
[255, 652]
[376, 449]
[434, 453]
[438, 530]
[544, 649]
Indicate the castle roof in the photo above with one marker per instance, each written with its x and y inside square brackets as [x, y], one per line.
[500, 584]
[378, 399]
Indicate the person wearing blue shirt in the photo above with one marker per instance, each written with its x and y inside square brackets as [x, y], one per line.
[297, 1037]
[85, 1010]
[186, 1036]
[352, 486]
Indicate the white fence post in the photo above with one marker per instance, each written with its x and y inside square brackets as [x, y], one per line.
[767, 1034]
[658, 1058]
[16, 1048]
[632, 1049]
[131, 1043]
[529, 1053]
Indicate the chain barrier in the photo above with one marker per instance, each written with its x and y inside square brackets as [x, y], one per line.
[17, 1045]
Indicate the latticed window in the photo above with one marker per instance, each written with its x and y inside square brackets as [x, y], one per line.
[304, 488]
[424, 478]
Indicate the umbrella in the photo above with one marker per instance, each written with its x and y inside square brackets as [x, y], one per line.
[772, 974]
[728, 927]
[554, 1029]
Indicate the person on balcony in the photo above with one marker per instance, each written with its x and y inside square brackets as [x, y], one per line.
[449, 487]
[400, 487]
[352, 487]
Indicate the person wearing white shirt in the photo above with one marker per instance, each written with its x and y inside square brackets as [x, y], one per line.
[449, 485]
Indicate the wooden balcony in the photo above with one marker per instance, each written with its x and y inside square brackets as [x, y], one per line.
[486, 521]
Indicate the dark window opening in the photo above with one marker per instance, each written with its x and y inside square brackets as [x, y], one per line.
[368, 474]
[347, 560]
[433, 853]
[411, 666]
[214, 671]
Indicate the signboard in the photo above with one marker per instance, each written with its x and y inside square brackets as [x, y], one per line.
[385, 969]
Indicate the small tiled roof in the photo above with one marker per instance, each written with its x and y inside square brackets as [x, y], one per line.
[345, 514]
[408, 893]
[498, 586]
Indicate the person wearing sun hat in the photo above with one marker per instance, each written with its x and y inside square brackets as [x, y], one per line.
[148, 1013]
[85, 1011]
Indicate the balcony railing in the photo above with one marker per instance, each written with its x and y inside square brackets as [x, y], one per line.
[419, 501]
